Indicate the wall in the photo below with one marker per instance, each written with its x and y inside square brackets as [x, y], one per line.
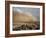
[2, 20]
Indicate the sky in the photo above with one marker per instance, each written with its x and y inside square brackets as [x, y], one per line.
[34, 11]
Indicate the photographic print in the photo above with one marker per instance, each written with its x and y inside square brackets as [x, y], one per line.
[25, 19]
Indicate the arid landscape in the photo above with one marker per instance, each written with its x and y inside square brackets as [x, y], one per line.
[25, 20]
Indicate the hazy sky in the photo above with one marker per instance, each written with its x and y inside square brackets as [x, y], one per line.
[34, 11]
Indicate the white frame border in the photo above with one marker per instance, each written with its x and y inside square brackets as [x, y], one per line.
[29, 31]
